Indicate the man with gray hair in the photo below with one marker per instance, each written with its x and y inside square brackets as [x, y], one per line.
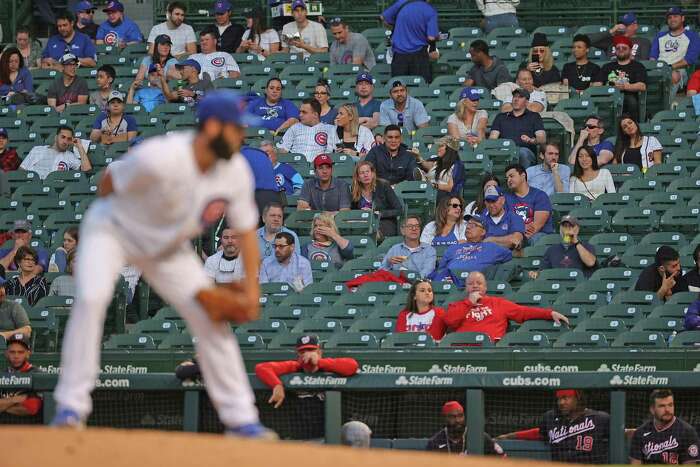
[355, 434]
[286, 177]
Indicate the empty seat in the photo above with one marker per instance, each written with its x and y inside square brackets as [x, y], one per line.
[129, 342]
[582, 339]
[413, 340]
[640, 339]
[352, 340]
[525, 340]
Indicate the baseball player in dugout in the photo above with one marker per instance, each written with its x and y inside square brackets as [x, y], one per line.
[20, 403]
[573, 432]
[308, 405]
[452, 438]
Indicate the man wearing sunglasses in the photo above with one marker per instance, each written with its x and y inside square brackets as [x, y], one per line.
[350, 47]
[592, 135]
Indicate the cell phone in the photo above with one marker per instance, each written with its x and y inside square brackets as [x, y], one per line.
[535, 58]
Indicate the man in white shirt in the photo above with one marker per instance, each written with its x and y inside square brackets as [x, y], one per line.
[60, 156]
[538, 99]
[215, 63]
[182, 35]
[310, 137]
[302, 35]
[226, 266]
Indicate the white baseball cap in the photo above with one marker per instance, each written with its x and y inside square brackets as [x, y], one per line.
[68, 58]
[115, 95]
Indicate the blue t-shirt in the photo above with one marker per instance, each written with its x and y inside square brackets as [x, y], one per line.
[469, 257]
[147, 60]
[273, 115]
[444, 240]
[368, 110]
[605, 144]
[81, 46]
[149, 98]
[330, 116]
[261, 167]
[412, 26]
[41, 252]
[510, 223]
[287, 178]
[22, 83]
[525, 207]
[113, 34]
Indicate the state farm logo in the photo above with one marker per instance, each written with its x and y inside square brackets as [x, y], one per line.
[457, 369]
[321, 138]
[423, 381]
[218, 61]
[317, 381]
[111, 38]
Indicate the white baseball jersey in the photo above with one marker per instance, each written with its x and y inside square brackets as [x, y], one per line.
[162, 199]
[216, 64]
[310, 140]
[45, 159]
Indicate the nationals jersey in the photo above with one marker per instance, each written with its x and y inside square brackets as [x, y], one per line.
[161, 198]
[583, 440]
[310, 140]
[677, 444]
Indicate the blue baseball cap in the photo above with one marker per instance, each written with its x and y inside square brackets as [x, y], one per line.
[628, 18]
[222, 6]
[492, 193]
[298, 3]
[113, 5]
[225, 106]
[470, 93]
[83, 6]
[675, 10]
[190, 62]
[475, 218]
[364, 76]
[152, 68]
[3, 133]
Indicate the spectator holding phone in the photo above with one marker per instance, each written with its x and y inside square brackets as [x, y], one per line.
[541, 62]
[664, 276]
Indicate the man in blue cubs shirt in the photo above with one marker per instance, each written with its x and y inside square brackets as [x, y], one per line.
[277, 114]
[531, 204]
[473, 255]
[287, 179]
[503, 226]
[266, 189]
[68, 40]
[118, 30]
[665, 439]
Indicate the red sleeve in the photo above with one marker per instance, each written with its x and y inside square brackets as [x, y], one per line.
[401, 321]
[340, 366]
[269, 372]
[533, 434]
[32, 404]
[455, 313]
[694, 82]
[521, 313]
[438, 328]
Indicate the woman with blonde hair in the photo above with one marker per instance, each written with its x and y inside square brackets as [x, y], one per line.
[355, 140]
[468, 123]
[540, 61]
[326, 242]
[375, 194]
[449, 227]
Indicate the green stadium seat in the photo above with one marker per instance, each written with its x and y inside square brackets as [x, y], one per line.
[686, 187]
[276, 291]
[563, 203]
[266, 328]
[250, 341]
[591, 220]
[623, 172]
[347, 314]
[361, 265]
[669, 310]
[294, 73]
[681, 219]
[548, 328]
[661, 201]
[689, 158]
[608, 244]
[283, 341]
[44, 330]
[686, 340]
[356, 222]
[581, 339]
[550, 289]
[408, 340]
[674, 239]
[156, 328]
[352, 341]
[634, 220]
[377, 326]
[473, 340]
[630, 314]
[667, 326]
[28, 193]
[237, 84]
[330, 291]
[682, 298]
[467, 34]
[611, 327]
[304, 303]
[636, 297]
[321, 327]
[169, 313]
[528, 340]
[129, 342]
[417, 197]
[640, 339]
[290, 316]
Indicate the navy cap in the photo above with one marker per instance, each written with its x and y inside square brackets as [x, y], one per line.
[307, 342]
[222, 6]
[492, 193]
[364, 76]
[472, 94]
[190, 62]
[225, 106]
[298, 3]
[674, 10]
[19, 337]
[476, 218]
[628, 18]
[3, 133]
[163, 39]
[83, 6]
[152, 68]
[113, 5]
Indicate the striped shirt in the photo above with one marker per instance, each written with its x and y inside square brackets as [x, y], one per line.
[46, 159]
[33, 291]
[310, 140]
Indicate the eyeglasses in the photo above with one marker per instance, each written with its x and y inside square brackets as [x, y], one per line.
[320, 93]
[592, 127]
[455, 205]
[412, 226]
[336, 21]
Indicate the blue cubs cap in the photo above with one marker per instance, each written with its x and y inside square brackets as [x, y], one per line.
[83, 6]
[114, 5]
[470, 93]
[628, 18]
[3, 133]
[476, 218]
[298, 3]
[492, 193]
[674, 10]
[364, 76]
[163, 39]
[222, 6]
[190, 62]
[153, 68]
[227, 107]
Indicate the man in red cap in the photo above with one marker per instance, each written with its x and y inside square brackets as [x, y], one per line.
[452, 438]
[574, 433]
[323, 192]
[626, 74]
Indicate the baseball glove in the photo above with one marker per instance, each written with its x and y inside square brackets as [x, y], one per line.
[228, 302]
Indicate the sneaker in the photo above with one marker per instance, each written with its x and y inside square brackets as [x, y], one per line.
[67, 418]
[252, 430]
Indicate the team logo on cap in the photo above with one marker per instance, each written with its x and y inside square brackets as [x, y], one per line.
[321, 138]
[213, 212]
[111, 38]
[693, 450]
[305, 340]
[218, 61]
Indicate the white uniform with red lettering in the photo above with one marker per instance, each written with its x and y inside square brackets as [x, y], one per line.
[161, 200]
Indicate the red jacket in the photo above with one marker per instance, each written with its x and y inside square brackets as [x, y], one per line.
[490, 315]
[269, 372]
[432, 322]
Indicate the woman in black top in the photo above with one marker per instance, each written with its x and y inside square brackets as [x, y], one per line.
[374, 194]
[27, 283]
[541, 62]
